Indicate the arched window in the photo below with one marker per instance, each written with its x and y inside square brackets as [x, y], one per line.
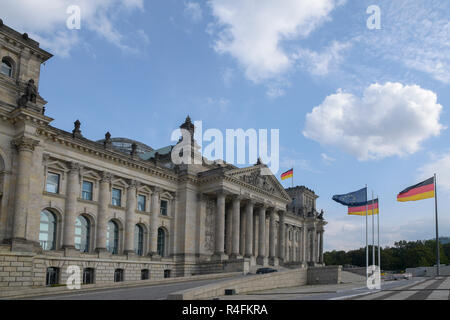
[47, 230]
[138, 240]
[6, 67]
[161, 242]
[112, 237]
[82, 234]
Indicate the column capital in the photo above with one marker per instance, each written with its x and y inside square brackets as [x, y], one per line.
[237, 197]
[157, 190]
[134, 184]
[24, 144]
[75, 167]
[106, 177]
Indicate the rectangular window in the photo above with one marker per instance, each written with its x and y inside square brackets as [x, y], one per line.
[141, 202]
[52, 185]
[87, 190]
[163, 207]
[116, 197]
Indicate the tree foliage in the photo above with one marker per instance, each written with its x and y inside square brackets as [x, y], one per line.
[404, 254]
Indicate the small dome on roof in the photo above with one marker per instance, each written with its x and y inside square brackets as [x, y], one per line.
[124, 145]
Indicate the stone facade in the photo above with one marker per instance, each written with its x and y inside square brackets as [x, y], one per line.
[118, 205]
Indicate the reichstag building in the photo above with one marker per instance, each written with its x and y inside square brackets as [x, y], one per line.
[121, 210]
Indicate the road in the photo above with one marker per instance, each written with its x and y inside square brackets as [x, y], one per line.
[154, 292]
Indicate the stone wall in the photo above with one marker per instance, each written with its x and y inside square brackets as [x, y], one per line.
[362, 271]
[246, 284]
[325, 275]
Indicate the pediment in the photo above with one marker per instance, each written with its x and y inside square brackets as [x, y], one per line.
[261, 177]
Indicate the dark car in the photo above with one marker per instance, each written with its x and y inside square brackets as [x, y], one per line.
[265, 270]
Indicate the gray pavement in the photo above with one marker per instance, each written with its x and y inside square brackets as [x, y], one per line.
[153, 292]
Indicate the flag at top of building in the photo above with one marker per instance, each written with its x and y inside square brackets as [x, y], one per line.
[287, 174]
[420, 191]
[352, 199]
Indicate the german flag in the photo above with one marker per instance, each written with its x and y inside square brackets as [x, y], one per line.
[287, 174]
[361, 210]
[420, 191]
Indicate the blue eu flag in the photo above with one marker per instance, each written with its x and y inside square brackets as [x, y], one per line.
[352, 199]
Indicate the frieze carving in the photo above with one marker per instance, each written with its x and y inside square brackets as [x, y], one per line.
[257, 180]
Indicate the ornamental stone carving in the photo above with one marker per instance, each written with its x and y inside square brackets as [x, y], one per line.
[25, 144]
[257, 180]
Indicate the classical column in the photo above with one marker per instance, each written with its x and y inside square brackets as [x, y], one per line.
[281, 236]
[129, 218]
[262, 259]
[154, 223]
[236, 227]
[249, 229]
[321, 247]
[228, 229]
[103, 202]
[219, 253]
[272, 231]
[242, 228]
[25, 147]
[70, 214]
[304, 244]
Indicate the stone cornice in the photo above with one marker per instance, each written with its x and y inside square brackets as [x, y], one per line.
[97, 150]
[28, 115]
[25, 144]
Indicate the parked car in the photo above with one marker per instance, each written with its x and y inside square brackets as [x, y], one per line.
[265, 270]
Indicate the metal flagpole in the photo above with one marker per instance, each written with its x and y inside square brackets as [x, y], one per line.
[378, 226]
[292, 177]
[437, 229]
[373, 233]
[367, 242]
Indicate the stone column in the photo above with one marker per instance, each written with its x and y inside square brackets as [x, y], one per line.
[242, 228]
[228, 230]
[304, 245]
[219, 253]
[282, 236]
[236, 227]
[25, 147]
[154, 224]
[249, 229]
[273, 259]
[262, 259]
[102, 219]
[321, 247]
[70, 214]
[129, 218]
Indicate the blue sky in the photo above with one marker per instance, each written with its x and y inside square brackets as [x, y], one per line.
[354, 106]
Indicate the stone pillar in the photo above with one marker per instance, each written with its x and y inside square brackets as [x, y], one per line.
[321, 248]
[25, 147]
[272, 258]
[242, 228]
[249, 229]
[236, 228]
[228, 230]
[154, 224]
[70, 214]
[129, 218]
[262, 259]
[102, 219]
[219, 253]
[282, 236]
[304, 245]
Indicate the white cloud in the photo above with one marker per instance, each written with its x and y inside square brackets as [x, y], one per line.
[440, 165]
[45, 20]
[193, 11]
[252, 31]
[321, 64]
[415, 34]
[327, 159]
[388, 120]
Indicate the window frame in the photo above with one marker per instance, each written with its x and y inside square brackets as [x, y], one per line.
[58, 187]
[112, 248]
[145, 202]
[87, 244]
[83, 191]
[53, 225]
[112, 197]
[165, 214]
[10, 64]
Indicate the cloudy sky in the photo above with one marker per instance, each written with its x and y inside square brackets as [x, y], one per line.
[354, 105]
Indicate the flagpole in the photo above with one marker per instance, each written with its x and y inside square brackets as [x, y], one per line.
[373, 233]
[292, 177]
[367, 241]
[437, 228]
[378, 226]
